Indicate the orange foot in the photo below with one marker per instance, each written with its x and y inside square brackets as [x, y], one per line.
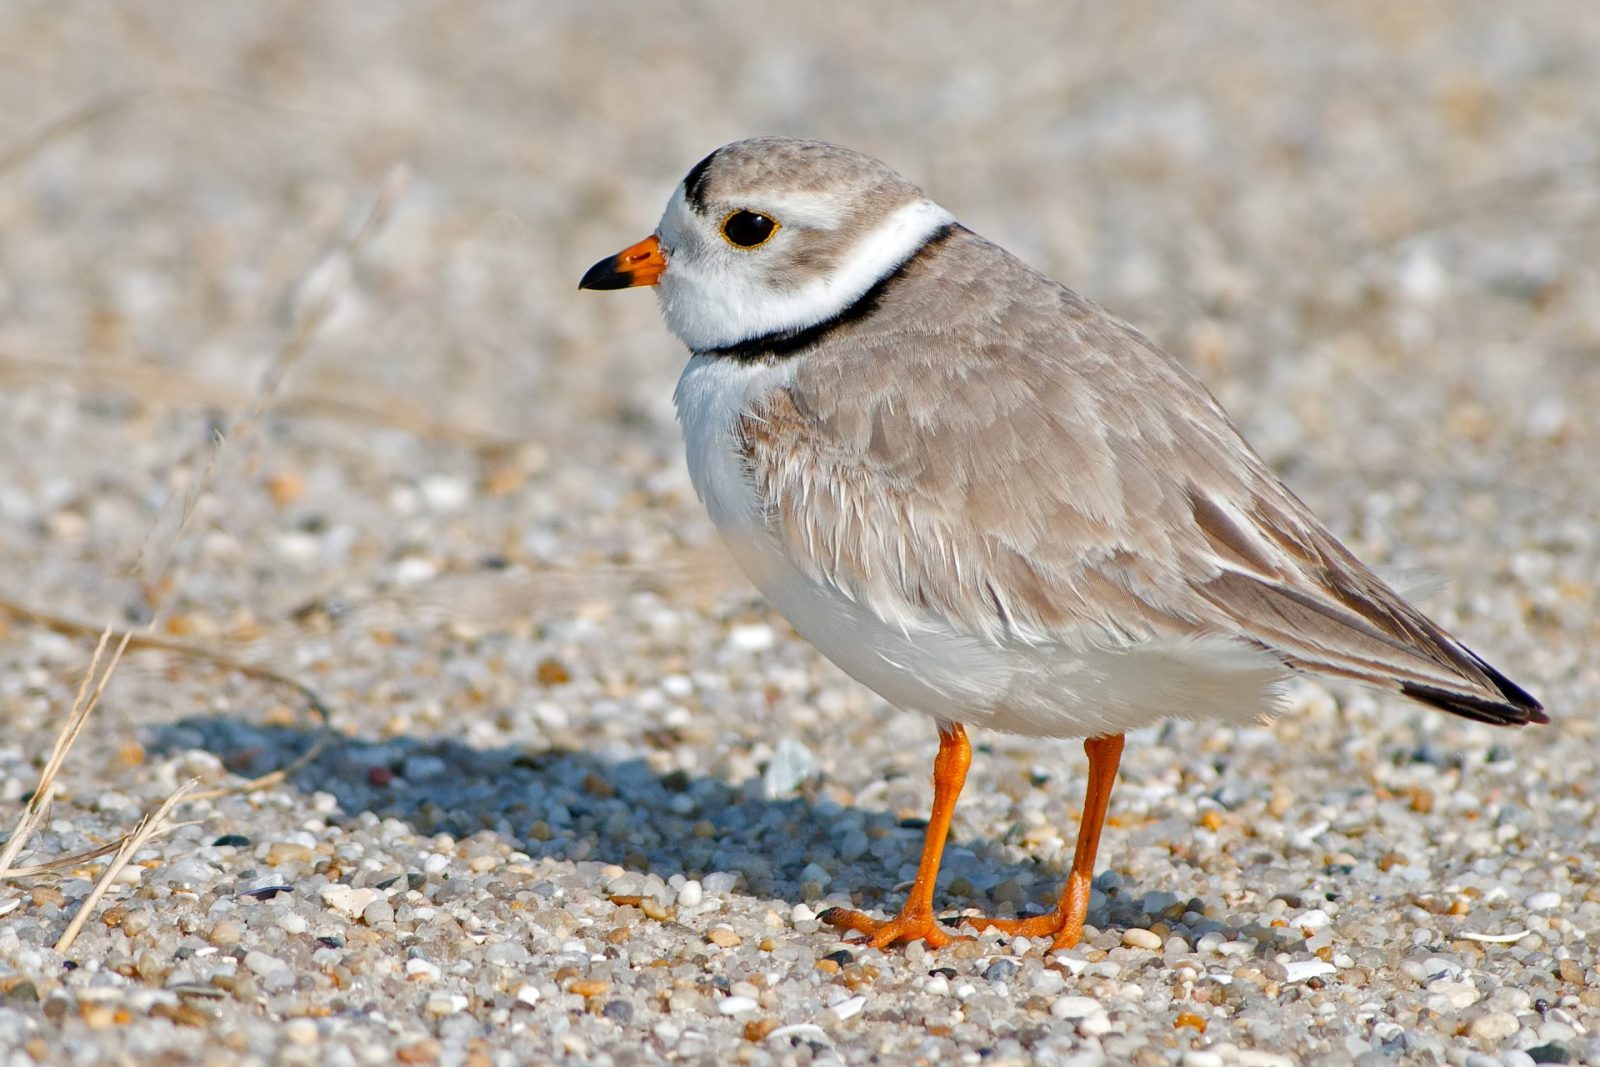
[1054, 925]
[905, 927]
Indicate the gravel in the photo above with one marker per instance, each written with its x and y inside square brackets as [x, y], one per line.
[584, 795]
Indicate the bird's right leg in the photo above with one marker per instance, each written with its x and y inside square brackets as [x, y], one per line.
[1065, 925]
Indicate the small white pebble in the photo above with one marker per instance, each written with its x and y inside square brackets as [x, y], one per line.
[414, 570]
[261, 963]
[846, 1009]
[937, 986]
[1070, 1007]
[757, 637]
[1138, 937]
[435, 863]
[800, 913]
[719, 883]
[347, 901]
[1300, 970]
[1546, 901]
[448, 1004]
[423, 970]
[528, 994]
[691, 894]
[735, 1005]
[445, 493]
[965, 990]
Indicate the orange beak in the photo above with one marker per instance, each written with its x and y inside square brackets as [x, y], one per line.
[639, 264]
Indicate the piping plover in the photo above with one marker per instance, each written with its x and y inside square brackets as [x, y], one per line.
[989, 500]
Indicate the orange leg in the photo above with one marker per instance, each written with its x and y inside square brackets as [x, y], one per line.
[916, 918]
[1065, 925]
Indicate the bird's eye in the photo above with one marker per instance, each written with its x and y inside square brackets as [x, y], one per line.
[747, 229]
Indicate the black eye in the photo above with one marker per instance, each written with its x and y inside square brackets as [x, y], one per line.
[747, 229]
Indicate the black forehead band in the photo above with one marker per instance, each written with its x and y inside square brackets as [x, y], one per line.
[694, 184]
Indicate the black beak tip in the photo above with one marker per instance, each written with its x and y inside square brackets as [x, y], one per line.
[605, 275]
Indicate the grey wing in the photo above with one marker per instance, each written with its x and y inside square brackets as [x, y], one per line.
[1075, 486]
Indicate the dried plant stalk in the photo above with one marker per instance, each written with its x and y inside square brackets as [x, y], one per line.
[142, 832]
[89, 694]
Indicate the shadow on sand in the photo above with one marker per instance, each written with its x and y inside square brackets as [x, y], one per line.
[577, 806]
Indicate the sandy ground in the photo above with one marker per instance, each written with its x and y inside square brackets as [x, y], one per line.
[294, 379]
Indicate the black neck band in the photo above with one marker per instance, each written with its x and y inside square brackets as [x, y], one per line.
[780, 343]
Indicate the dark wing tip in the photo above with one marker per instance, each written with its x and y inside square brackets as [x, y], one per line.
[1518, 708]
[1515, 695]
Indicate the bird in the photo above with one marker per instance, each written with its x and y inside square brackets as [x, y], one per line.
[991, 501]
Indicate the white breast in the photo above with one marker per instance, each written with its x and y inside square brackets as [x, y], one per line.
[932, 670]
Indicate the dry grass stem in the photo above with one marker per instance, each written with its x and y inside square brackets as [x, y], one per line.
[142, 832]
[90, 690]
[64, 863]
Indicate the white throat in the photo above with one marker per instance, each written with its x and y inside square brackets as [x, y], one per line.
[710, 302]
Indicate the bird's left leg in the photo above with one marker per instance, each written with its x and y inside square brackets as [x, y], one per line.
[916, 920]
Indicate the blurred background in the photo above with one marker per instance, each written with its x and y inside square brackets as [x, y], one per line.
[345, 239]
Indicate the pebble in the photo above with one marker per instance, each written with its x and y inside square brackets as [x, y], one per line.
[260, 963]
[690, 894]
[1001, 970]
[1073, 1007]
[723, 936]
[422, 969]
[1136, 937]
[505, 954]
[791, 764]
[1493, 1026]
[441, 1004]
[1301, 970]
[347, 901]
[848, 1009]
[1545, 901]
[736, 1005]
[280, 853]
[719, 883]
[756, 637]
